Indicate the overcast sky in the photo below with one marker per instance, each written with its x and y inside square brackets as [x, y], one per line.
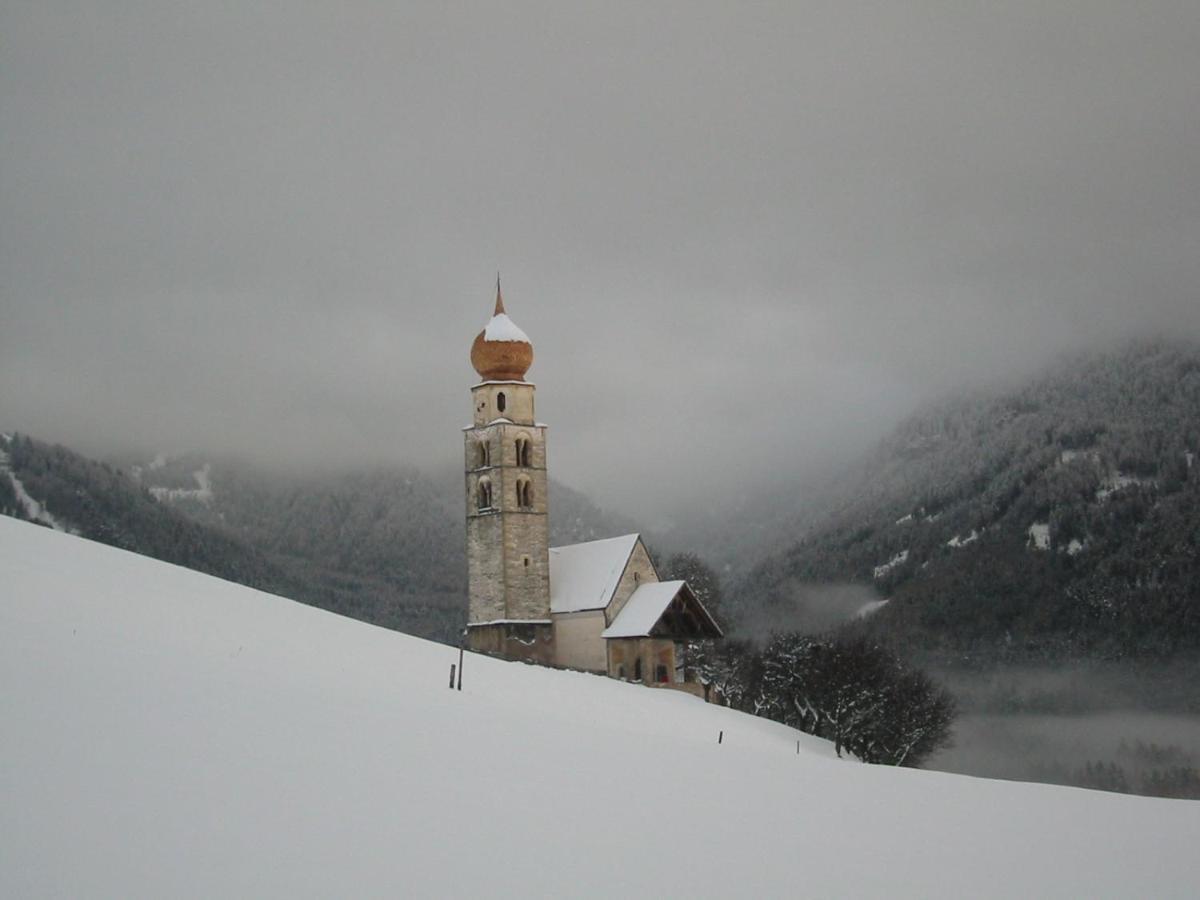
[741, 236]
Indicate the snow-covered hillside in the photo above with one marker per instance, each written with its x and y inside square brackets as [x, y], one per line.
[167, 734]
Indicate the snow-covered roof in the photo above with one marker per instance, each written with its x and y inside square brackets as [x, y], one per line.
[585, 576]
[502, 328]
[644, 609]
[511, 622]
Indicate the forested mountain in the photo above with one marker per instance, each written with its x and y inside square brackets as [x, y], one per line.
[384, 545]
[59, 488]
[1060, 519]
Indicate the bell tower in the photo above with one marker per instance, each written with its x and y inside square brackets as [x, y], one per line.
[508, 535]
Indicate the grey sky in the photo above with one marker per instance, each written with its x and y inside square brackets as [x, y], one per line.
[740, 235]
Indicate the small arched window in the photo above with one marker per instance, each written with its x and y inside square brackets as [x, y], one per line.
[524, 493]
[501, 402]
[523, 446]
[483, 454]
[483, 494]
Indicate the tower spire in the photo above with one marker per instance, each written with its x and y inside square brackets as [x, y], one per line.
[499, 299]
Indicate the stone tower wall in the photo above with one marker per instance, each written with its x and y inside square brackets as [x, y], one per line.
[508, 545]
[518, 402]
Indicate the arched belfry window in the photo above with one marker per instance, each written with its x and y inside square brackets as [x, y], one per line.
[483, 494]
[523, 449]
[501, 402]
[483, 454]
[524, 493]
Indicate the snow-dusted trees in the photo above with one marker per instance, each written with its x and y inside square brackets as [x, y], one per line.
[703, 581]
[852, 691]
[858, 694]
[710, 660]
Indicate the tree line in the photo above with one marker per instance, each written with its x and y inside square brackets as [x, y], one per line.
[849, 689]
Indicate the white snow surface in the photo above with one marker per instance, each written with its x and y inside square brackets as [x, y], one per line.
[643, 609]
[502, 328]
[960, 541]
[201, 493]
[870, 608]
[1068, 456]
[1119, 482]
[1039, 535]
[167, 734]
[897, 560]
[584, 576]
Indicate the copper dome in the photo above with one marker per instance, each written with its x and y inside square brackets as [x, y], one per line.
[502, 351]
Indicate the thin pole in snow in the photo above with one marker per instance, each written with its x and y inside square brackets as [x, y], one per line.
[797, 748]
[451, 676]
[720, 736]
[460, 666]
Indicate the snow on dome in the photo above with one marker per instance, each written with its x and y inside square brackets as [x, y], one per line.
[502, 328]
[502, 351]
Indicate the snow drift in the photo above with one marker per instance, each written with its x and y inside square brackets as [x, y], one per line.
[167, 734]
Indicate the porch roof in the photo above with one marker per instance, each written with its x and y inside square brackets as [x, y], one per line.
[663, 609]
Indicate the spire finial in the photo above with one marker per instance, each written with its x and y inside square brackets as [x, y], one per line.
[499, 299]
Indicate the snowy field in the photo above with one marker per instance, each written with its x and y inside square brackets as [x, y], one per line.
[167, 734]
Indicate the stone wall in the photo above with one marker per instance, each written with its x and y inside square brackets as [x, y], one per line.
[485, 578]
[518, 402]
[508, 561]
[527, 641]
[526, 565]
[623, 654]
[638, 571]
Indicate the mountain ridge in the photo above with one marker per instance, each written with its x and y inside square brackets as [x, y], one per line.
[1056, 519]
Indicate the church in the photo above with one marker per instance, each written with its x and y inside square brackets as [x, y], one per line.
[598, 606]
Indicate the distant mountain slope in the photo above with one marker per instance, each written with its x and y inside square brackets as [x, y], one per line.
[385, 546]
[178, 736]
[54, 486]
[1059, 519]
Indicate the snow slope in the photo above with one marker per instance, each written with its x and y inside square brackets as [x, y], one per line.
[167, 734]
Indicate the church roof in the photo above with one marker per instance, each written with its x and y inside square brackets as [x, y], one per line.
[643, 609]
[585, 576]
[648, 609]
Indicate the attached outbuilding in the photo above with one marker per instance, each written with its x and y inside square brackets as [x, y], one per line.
[613, 615]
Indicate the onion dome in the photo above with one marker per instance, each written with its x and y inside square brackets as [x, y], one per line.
[502, 351]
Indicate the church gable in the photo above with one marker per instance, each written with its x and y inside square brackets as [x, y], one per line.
[639, 570]
[665, 609]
